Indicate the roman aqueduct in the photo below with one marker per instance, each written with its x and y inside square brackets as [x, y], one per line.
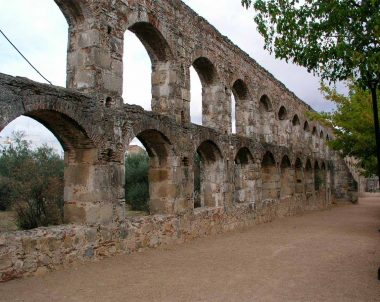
[267, 169]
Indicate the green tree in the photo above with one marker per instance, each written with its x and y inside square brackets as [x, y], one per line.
[337, 39]
[136, 181]
[31, 182]
[353, 124]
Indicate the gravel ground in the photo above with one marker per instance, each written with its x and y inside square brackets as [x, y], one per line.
[331, 255]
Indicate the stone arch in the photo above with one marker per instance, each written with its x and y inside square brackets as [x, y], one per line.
[296, 121]
[163, 98]
[74, 11]
[317, 177]
[269, 177]
[295, 131]
[282, 113]
[212, 174]
[286, 178]
[206, 70]
[156, 45]
[266, 118]
[213, 91]
[307, 132]
[299, 177]
[265, 104]
[283, 127]
[309, 179]
[315, 138]
[323, 175]
[244, 183]
[162, 160]
[80, 152]
[65, 122]
[243, 112]
[314, 132]
[306, 126]
[321, 135]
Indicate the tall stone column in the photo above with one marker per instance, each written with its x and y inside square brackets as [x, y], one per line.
[94, 60]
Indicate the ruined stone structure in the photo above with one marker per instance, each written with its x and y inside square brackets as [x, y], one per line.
[277, 164]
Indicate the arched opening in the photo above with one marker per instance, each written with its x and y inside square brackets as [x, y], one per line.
[309, 180]
[315, 138]
[46, 49]
[137, 164]
[282, 113]
[306, 126]
[296, 130]
[36, 177]
[321, 135]
[318, 180]
[149, 174]
[330, 178]
[269, 177]
[208, 175]
[233, 114]
[327, 146]
[287, 178]
[266, 118]
[244, 179]
[299, 176]
[296, 121]
[207, 74]
[283, 130]
[196, 97]
[147, 68]
[31, 176]
[314, 132]
[323, 176]
[265, 104]
[243, 113]
[137, 76]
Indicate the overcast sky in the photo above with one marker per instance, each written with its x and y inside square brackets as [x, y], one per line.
[39, 30]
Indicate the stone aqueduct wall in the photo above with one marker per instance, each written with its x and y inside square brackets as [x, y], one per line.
[267, 170]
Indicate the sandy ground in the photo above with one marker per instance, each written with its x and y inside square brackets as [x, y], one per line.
[322, 256]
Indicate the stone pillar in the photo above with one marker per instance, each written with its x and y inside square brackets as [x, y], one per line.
[93, 193]
[163, 186]
[94, 60]
[216, 111]
[167, 96]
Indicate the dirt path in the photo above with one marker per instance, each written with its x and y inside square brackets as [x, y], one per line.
[324, 256]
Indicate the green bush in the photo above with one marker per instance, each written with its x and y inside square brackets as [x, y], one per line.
[136, 181]
[31, 183]
[197, 180]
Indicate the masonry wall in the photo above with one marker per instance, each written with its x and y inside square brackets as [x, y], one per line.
[37, 251]
[278, 164]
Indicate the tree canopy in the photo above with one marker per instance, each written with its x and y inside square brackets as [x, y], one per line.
[337, 39]
[353, 124]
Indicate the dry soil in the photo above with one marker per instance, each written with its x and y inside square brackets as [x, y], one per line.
[331, 255]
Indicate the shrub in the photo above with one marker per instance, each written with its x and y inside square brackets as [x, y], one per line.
[136, 181]
[31, 182]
